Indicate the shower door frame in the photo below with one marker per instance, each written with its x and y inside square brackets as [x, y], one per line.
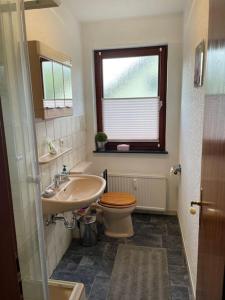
[22, 159]
[10, 280]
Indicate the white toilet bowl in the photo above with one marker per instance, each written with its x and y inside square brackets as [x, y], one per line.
[116, 216]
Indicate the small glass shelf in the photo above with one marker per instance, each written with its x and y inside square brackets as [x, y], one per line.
[47, 158]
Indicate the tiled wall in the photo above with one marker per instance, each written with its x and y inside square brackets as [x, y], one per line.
[72, 131]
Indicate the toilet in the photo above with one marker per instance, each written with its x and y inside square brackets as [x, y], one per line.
[117, 209]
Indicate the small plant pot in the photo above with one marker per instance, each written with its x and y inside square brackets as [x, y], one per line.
[101, 146]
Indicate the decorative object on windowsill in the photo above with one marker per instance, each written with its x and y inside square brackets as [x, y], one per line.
[199, 64]
[51, 147]
[174, 170]
[123, 147]
[100, 140]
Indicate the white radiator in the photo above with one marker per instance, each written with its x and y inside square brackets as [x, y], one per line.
[149, 190]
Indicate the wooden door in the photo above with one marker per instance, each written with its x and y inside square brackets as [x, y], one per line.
[210, 281]
[10, 281]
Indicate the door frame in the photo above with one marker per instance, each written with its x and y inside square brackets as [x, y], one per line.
[211, 242]
[10, 279]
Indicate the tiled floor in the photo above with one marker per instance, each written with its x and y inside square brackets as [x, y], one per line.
[93, 265]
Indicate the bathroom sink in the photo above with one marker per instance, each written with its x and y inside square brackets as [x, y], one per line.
[77, 192]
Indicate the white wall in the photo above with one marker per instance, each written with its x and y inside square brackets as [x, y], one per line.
[59, 30]
[144, 31]
[192, 108]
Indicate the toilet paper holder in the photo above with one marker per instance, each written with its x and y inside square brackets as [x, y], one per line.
[176, 169]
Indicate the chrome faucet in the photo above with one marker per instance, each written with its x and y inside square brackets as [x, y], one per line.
[60, 178]
[57, 180]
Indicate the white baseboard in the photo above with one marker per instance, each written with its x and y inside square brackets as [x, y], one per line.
[187, 261]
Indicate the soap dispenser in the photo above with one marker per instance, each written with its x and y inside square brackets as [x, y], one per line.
[64, 171]
[64, 174]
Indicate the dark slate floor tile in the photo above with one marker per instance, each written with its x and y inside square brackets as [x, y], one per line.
[106, 239]
[84, 274]
[100, 228]
[78, 250]
[68, 264]
[110, 251]
[87, 289]
[191, 296]
[74, 244]
[139, 217]
[143, 229]
[71, 266]
[172, 242]
[60, 275]
[176, 257]
[103, 266]
[179, 276]
[100, 288]
[152, 240]
[179, 293]
[87, 261]
[93, 265]
[164, 219]
[173, 229]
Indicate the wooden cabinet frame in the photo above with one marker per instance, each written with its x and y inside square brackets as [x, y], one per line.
[38, 50]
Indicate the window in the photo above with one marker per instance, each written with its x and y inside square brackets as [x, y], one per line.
[131, 96]
[57, 84]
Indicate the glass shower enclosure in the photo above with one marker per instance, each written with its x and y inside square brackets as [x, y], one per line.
[16, 102]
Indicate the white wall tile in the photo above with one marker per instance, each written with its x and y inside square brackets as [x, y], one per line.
[50, 130]
[72, 131]
[52, 33]
[57, 130]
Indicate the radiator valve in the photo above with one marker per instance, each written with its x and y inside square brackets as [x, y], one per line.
[174, 170]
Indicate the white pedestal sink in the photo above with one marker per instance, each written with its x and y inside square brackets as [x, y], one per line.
[77, 192]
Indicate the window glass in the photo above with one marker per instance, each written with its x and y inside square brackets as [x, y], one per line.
[130, 77]
[58, 80]
[67, 82]
[48, 80]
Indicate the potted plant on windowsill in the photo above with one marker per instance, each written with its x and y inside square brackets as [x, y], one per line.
[100, 140]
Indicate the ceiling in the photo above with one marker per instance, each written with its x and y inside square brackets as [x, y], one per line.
[95, 10]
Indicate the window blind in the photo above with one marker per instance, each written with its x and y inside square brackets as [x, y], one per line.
[131, 119]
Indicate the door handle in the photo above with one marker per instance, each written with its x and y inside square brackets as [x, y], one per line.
[197, 203]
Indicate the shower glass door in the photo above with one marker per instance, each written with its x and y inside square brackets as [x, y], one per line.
[16, 101]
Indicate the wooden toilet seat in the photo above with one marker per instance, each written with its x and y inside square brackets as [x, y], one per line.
[118, 200]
